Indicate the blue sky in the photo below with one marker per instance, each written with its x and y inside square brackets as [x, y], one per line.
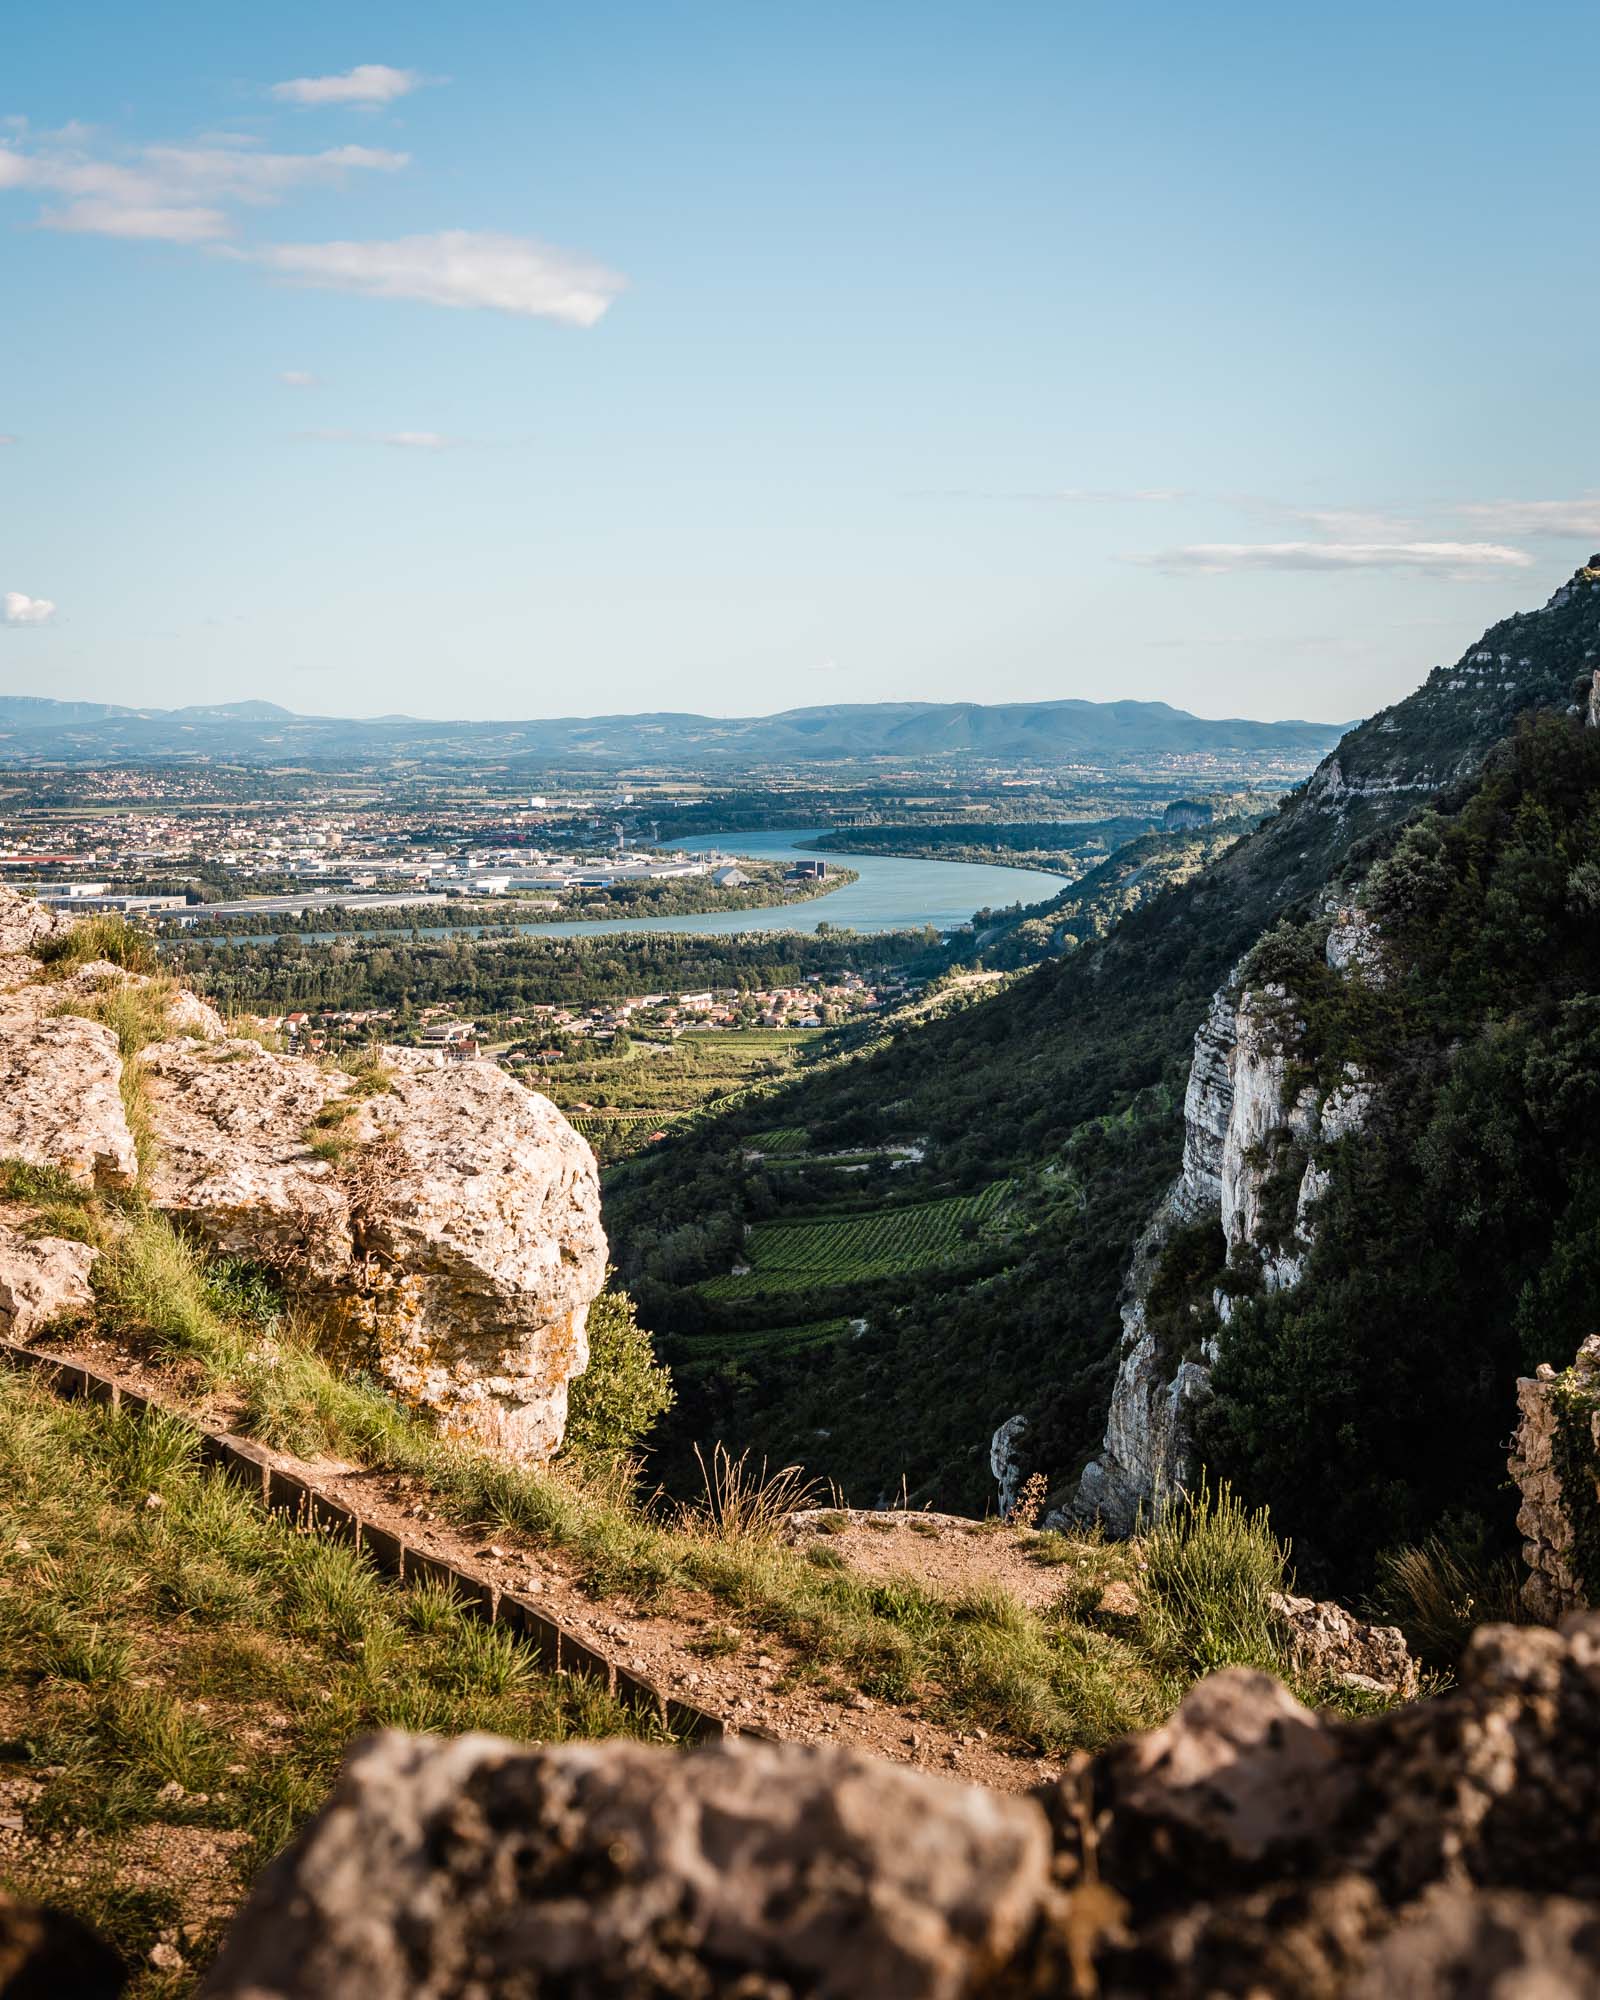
[557, 359]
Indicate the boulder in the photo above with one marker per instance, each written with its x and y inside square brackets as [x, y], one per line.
[480, 1191]
[1326, 1643]
[61, 1099]
[46, 1952]
[42, 1278]
[457, 1232]
[486, 1868]
[1253, 1847]
[1446, 1849]
[233, 1123]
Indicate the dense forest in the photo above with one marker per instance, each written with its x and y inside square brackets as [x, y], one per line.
[498, 975]
[1459, 1241]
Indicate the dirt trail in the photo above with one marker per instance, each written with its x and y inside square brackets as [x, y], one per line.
[693, 1648]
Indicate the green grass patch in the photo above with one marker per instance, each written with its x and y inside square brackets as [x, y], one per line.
[200, 1663]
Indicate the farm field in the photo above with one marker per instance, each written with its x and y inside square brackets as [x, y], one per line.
[692, 1351]
[619, 1102]
[803, 1256]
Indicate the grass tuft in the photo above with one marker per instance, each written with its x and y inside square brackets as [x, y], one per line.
[1212, 1566]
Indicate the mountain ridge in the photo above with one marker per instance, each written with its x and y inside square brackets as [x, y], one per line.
[38, 729]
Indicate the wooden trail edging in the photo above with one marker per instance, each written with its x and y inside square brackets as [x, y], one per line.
[286, 1485]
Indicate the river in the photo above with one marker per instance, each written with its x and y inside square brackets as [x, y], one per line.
[893, 893]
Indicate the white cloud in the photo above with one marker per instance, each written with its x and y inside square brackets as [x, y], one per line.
[16, 609]
[1455, 559]
[401, 440]
[367, 84]
[461, 268]
[6, 438]
[170, 193]
[1575, 519]
[298, 378]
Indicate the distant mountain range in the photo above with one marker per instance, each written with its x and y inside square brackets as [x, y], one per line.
[34, 730]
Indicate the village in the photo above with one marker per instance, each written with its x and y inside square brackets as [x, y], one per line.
[541, 1035]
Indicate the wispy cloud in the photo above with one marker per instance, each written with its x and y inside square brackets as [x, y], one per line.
[461, 268]
[400, 440]
[169, 193]
[1452, 559]
[1064, 496]
[18, 609]
[367, 86]
[6, 438]
[298, 378]
[1557, 519]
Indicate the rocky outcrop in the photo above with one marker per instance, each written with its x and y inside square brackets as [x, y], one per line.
[42, 1278]
[1555, 1461]
[236, 1124]
[1207, 1111]
[1145, 1455]
[455, 1230]
[489, 1202]
[61, 1099]
[1325, 1643]
[482, 1867]
[1005, 1462]
[443, 1220]
[1253, 1848]
[1246, 1846]
[1241, 1131]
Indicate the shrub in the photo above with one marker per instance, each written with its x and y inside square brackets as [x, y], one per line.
[624, 1389]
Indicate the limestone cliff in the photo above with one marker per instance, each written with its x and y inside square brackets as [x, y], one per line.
[441, 1221]
[1250, 1129]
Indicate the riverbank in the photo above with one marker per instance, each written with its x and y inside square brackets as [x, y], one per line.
[767, 887]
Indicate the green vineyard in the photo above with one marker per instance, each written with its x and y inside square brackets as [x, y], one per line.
[846, 1249]
[694, 1351]
[780, 1139]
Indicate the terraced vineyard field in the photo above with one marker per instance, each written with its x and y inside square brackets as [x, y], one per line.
[844, 1249]
[706, 1350]
[618, 1102]
[780, 1139]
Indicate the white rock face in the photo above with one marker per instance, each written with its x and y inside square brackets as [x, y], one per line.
[1355, 947]
[1207, 1110]
[1258, 1114]
[42, 1278]
[1236, 1122]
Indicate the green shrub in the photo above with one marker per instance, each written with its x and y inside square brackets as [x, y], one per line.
[622, 1392]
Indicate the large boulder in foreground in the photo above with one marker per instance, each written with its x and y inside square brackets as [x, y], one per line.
[486, 1868]
[449, 1216]
[1247, 1846]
